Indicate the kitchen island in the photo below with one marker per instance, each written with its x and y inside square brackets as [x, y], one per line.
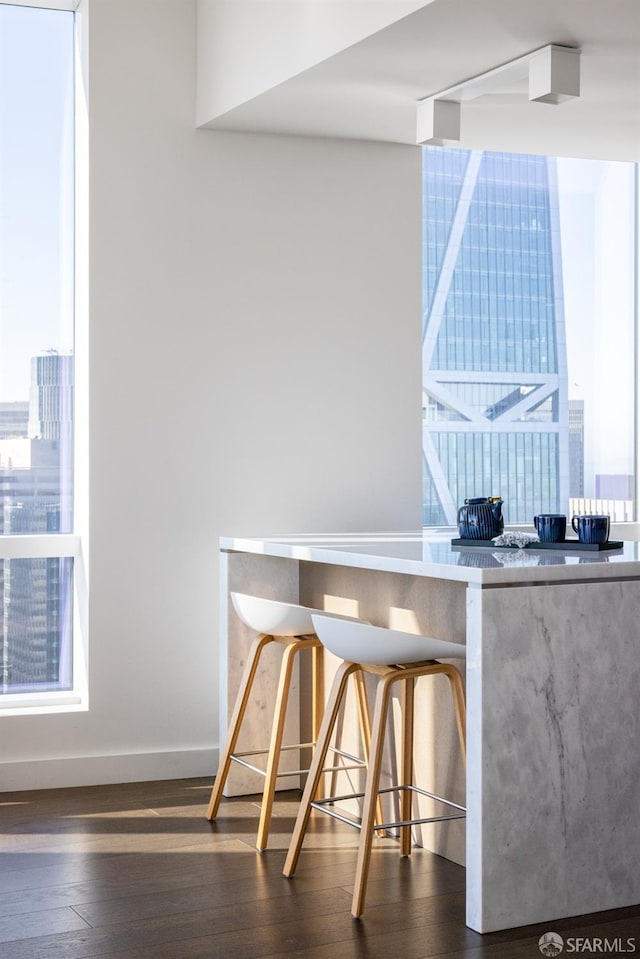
[553, 700]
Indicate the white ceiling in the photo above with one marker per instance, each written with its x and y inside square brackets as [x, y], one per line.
[369, 91]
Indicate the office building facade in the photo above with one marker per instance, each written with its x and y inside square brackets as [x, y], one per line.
[495, 411]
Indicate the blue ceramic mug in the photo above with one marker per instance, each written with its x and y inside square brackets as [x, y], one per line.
[551, 527]
[592, 529]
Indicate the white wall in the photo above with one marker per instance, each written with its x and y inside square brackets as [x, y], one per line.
[255, 367]
[248, 46]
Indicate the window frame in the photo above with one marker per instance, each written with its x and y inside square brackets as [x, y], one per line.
[67, 545]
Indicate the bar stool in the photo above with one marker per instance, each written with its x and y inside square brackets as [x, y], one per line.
[290, 626]
[393, 657]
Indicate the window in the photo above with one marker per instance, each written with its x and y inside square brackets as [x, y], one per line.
[529, 357]
[37, 548]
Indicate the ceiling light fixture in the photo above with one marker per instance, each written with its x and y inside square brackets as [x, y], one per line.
[554, 76]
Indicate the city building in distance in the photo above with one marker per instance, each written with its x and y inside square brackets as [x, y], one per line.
[36, 486]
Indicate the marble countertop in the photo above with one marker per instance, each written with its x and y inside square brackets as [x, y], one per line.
[428, 552]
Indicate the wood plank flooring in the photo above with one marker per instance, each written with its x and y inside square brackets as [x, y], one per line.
[135, 871]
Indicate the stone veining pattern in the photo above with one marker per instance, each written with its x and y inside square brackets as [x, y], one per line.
[557, 669]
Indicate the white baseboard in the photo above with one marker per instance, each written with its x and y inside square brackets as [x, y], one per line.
[101, 770]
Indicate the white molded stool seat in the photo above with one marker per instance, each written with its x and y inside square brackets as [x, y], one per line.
[291, 626]
[360, 642]
[392, 656]
[277, 618]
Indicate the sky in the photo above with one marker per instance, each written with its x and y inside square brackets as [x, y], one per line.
[597, 225]
[36, 183]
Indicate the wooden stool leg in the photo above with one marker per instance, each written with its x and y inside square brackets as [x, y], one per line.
[457, 692]
[364, 719]
[275, 746]
[235, 723]
[371, 792]
[317, 690]
[319, 757]
[317, 699]
[406, 772]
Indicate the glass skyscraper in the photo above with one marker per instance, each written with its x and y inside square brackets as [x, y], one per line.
[494, 355]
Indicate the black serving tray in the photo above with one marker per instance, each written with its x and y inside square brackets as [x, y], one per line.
[569, 545]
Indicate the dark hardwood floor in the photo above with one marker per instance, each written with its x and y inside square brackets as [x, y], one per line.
[136, 872]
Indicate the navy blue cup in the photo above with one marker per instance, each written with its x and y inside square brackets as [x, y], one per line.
[551, 527]
[592, 529]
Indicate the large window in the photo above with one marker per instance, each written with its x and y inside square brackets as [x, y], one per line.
[529, 362]
[36, 353]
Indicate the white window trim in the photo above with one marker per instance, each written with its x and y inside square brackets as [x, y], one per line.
[70, 5]
[39, 546]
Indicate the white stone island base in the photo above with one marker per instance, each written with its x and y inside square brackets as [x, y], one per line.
[553, 703]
